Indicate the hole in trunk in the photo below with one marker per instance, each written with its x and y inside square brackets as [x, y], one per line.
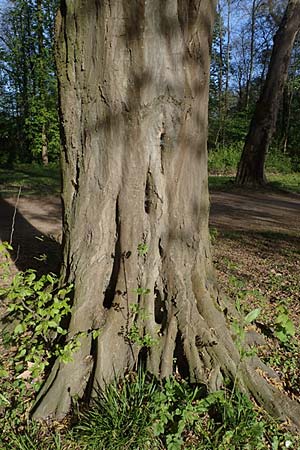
[160, 248]
[162, 138]
[90, 384]
[111, 288]
[160, 311]
[148, 189]
[142, 358]
[181, 360]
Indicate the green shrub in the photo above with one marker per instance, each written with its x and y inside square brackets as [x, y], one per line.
[32, 335]
[224, 159]
[278, 162]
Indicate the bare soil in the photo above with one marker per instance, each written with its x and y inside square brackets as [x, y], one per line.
[33, 226]
[261, 211]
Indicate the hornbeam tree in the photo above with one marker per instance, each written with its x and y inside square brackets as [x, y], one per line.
[251, 169]
[133, 83]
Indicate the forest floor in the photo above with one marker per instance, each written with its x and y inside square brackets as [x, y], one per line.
[256, 250]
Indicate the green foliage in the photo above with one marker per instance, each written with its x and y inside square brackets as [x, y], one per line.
[213, 234]
[33, 437]
[239, 329]
[142, 249]
[284, 328]
[136, 333]
[120, 417]
[5, 248]
[29, 86]
[224, 159]
[42, 129]
[33, 334]
[139, 413]
[278, 162]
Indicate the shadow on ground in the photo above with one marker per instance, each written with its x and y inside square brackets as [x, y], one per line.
[32, 249]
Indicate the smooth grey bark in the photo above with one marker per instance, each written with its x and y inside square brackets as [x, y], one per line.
[251, 169]
[133, 88]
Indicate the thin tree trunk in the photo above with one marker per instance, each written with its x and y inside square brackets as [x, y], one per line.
[251, 168]
[228, 50]
[288, 95]
[45, 158]
[219, 133]
[251, 62]
[135, 172]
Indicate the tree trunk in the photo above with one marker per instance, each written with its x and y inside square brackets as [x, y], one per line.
[220, 133]
[134, 94]
[287, 100]
[45, 159]
[251, 61]
[252, 163]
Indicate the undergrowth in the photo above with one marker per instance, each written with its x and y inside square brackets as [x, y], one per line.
[224, 160]
[137, 412]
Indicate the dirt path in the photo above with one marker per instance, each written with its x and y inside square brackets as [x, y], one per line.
[34, 230]
[36, 225]
[256, 212]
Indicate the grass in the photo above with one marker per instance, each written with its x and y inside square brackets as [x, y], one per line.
[287, 182]
[39, 180]
[33, 179]
[139, 413]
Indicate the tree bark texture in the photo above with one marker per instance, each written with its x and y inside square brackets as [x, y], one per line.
[133, 80]
[251, 169]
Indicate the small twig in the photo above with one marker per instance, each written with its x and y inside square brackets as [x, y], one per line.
[17, 256]
[28, 309]
[14, 217]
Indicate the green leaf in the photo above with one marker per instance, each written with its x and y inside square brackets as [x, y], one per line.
[252, 315]
[282, 319]
[290, 328]
[96, 333]
[19, 329]
[142, 291]
[142, 249]
[281, 335]
[158, 428]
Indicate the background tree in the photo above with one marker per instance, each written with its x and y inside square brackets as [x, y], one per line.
[135, 177]
[252, 163]
[240, 54]
[28, 64]
[287, 136]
